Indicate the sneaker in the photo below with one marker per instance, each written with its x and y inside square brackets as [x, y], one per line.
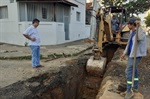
[129, 95]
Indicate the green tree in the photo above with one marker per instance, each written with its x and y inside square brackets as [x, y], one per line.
[147, 20]
[133, 7]
[138, 18]
[113, 2]
[137, 6]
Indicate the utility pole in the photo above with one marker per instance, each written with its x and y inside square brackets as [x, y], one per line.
[93, 20]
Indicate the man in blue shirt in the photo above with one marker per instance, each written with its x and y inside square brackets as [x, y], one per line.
[115, 24]
[129, 51]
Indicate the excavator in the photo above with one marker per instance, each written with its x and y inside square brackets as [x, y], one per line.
[105, 41]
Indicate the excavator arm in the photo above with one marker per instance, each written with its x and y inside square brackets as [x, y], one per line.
[105, 41]
[103, 33]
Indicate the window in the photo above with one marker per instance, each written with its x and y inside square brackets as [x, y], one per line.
[3, 12]
[11, 1]
[78, 15]
[31, 11]
[44, 13]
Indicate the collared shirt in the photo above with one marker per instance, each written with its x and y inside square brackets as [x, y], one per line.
[32, 32]
[141, 45]
[115, 23]
[131, 42]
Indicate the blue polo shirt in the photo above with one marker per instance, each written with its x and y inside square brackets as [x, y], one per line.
[131, 42]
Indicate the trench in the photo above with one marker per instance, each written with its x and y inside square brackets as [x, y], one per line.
[70, 82]
[79, 84]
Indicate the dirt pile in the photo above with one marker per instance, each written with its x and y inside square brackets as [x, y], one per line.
[115, 74]
[144, 73]
[66, 83]
[69, 82]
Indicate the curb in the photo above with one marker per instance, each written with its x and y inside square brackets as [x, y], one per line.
[48, 57]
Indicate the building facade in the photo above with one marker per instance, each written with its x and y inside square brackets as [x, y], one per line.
[61, 21]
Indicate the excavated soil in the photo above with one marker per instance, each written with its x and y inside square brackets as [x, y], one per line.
[144, 72]
[71, 81]
[116, 72]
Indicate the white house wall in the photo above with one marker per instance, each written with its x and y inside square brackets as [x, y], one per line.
[77, 28]
[60, 33]
[8, 33]
[81, 8]
[87, 31]
[9, 27]
[51, 33]
[4, 2]
[13, 15]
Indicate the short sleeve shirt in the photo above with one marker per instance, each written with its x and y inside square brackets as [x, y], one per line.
[32, 32]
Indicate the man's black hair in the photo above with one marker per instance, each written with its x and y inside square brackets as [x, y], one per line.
[35, 20]
[132, 24]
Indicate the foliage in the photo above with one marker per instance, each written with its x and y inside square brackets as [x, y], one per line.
[133, 6]
[138, 18]
[26, 44]
[113, 2]
[147, 20]
[137, 6]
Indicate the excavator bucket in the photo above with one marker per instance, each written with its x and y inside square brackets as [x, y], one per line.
[96, 67]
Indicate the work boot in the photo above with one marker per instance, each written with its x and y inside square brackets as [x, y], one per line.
[129, 95]
[124, 93]
[135, 90]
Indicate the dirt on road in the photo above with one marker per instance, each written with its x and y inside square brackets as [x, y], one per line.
[12, 71]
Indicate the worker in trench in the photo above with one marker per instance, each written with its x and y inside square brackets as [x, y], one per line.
[140, 48]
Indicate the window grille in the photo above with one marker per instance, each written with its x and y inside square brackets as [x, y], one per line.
[44, 13]
[11, 1]
[4, 12]
[78, 16]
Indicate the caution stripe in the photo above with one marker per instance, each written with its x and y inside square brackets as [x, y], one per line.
[129, 82]
[136, 79]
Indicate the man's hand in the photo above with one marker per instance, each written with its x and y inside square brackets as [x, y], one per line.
[138, 23]
[32, 39]
[122, 57]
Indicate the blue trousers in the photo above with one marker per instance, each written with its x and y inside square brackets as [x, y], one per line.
[129, 70]
[35, 55]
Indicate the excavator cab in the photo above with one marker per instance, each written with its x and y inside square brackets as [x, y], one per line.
[111, 26]
[105, 35]
[121, 23]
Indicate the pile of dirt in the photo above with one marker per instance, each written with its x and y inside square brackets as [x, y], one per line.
[144, 73]
[115, 74]
[65, 83]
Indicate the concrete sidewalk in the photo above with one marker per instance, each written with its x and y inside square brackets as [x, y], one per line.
[13, 70]
[8, 51]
